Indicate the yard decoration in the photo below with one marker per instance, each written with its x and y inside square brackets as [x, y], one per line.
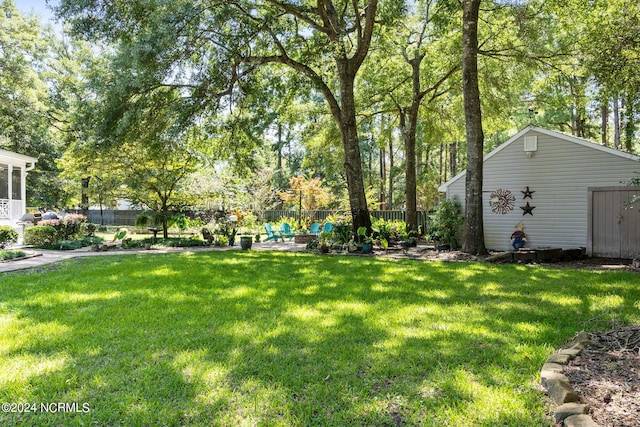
[528, 209]
[518, 237]
[527, 193]
[501, 201]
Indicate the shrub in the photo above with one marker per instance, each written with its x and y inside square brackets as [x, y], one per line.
[143, 220]
[67, 228]
[7, 236]
[88, 229]
[176, 242]
[69, 245]
[445, 222]
[40, 235]
[7, 255]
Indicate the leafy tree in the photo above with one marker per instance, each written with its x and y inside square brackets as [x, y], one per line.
[307, 194]
[153, 176]
[221, 44]
[429, 39]
[25, 78]
[103, 179]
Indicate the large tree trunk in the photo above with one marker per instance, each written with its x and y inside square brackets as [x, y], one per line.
[352, 160]
[453, 159]
[410, 175]
[616, 122]
[630, 125]
[383, 179]
[408, 132]
[84, 204]
[391, 174]
[409, 136]
[473, 225]
[604, 114]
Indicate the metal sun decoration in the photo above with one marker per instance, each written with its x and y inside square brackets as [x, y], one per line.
[501, 201]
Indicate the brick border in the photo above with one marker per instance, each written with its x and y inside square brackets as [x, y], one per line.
[569, 412]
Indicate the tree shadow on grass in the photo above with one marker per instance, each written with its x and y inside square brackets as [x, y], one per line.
[293, 339]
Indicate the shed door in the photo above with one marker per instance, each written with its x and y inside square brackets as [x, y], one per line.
[614, 228]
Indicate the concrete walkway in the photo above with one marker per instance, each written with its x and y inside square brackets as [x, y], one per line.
[40, 257]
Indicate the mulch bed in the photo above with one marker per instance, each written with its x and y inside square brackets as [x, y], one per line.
[607, 377]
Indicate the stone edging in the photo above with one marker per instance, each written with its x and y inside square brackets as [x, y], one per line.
[569, 412]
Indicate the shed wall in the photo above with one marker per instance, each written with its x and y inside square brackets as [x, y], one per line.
[559, 173]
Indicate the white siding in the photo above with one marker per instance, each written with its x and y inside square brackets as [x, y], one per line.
[560, 173]
[15, 208]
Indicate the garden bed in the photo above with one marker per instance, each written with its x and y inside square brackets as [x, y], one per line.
[304, 238]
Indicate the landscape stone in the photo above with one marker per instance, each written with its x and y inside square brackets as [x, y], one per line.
[580, 421]
[553, 367]
[560, 390]
[571, 352]
[568, 409]
[562, 359]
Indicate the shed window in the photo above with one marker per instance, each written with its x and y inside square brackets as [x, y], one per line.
[4, 181]
[16, 183]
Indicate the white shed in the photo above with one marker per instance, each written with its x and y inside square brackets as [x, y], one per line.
[13, 187]
[544, 180]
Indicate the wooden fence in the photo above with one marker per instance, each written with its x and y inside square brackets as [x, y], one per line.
[128, 217]
[321, 216]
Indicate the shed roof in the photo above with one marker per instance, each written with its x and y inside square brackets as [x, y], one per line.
[16, 156]
[555, 134]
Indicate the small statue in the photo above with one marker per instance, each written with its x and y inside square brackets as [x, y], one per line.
[518, 237]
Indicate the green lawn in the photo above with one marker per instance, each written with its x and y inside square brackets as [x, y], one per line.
[259, 338]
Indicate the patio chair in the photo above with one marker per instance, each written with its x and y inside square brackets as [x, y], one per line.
[285, 231]
[271, 235]
[314, 228]
[328, 227]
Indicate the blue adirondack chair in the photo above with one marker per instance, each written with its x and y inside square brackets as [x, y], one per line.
[328, 227]
[285, 231]
[314, 228]
[271, 235]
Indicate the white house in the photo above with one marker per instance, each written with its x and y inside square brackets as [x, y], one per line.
[13, 188]
[567, 192]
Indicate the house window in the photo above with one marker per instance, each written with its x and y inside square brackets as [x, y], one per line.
[16, 183]
[4, 181]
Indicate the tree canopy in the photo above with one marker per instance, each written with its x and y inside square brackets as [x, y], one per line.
[365, 95]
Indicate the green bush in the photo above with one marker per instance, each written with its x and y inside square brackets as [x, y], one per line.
[7, 236]
[68, 228]
[388, 230]
[176, 242]
[7, 255]
[445, 222]
[88, 229]
[69, 245]
[40, 235]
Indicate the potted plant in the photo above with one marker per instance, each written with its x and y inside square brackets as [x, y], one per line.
[246, 242]
[367, 241]
[324, 242]
[367, 245]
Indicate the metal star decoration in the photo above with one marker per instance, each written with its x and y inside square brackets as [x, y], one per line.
[527, 193]
[528, 209]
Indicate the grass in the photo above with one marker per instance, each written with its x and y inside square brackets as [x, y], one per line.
[277, 339]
